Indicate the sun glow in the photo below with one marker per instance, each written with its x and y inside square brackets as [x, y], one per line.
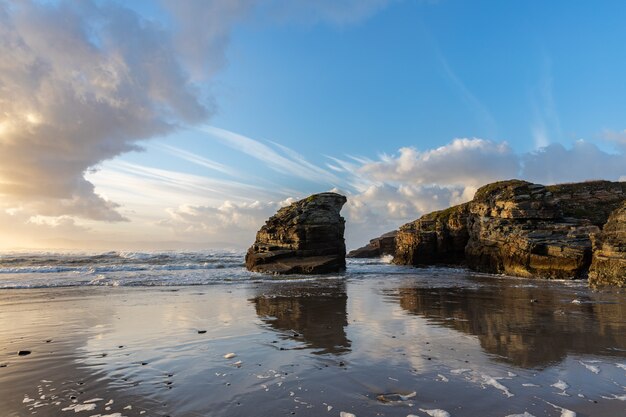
[32, 118]
[4, 128]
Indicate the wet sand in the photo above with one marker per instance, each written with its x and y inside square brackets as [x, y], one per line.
[402, 344]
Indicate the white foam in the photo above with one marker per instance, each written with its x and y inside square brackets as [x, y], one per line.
[526, 414]
[442, 378]
[108, 415]
[616, 397]
[346, 414]
[562, 385]
[530, 385]
[591, 368]
[489, 380]
[407, 396]
[437, 412]
[621, 365]
[459, 371]
[564, 411]
[80, 407]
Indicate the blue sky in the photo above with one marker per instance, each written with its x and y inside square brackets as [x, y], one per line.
[422, 73]
[241, 106]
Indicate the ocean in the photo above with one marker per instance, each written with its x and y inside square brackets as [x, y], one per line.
[130, 334]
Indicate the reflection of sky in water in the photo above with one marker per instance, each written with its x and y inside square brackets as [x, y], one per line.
[451, 343]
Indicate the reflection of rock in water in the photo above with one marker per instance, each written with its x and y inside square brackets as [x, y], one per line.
[528, 334]
[317, 315]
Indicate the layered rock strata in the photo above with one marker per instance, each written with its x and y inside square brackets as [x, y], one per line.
[518, 228]
[435, 238]
[608, 266]
[303, 238]
[530, 230]
[380, 246]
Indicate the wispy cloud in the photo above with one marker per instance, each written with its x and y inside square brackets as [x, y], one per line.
[196, 159]
[483, 115]
[289, 163]
[546, 127]
[161, 184]
[85, 81]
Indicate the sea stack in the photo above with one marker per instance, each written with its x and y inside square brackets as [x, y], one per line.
[303, 238]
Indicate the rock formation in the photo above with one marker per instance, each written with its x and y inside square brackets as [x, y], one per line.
[608, 266]
[435, 238]
[380, 246]
[518, 228]
[303, 238]
[530, 230]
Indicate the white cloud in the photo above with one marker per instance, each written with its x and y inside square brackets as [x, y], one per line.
[461, 162]
[616, 138]
[583, 161]
[81, 82]
[403, 187]
[382, 195]
[202, 31]
[237, 222]
[24, 230]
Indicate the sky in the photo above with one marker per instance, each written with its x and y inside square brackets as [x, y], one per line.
[172, 124]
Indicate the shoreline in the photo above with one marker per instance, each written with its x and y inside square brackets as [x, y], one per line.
[466, 344]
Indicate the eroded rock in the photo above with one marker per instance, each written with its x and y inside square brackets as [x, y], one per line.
[519, 228]
[303, 238]
[609, 251]
[380, 246]
[435, 238]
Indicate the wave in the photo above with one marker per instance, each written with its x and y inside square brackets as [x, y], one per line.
[149, 269]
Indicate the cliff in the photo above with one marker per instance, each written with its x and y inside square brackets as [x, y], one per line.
[608, 266]
[523, 229]
[303, 238]
[435, 238]
[377, 247]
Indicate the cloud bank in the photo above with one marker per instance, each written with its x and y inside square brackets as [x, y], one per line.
[399, 188]
[385, 193]
[84, 81]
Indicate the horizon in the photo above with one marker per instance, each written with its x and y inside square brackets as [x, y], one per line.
[147, 124]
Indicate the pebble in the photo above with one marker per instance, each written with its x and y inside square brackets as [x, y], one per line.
[201, 331]
[229, 355]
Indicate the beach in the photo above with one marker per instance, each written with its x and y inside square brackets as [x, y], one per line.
[377, 340]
